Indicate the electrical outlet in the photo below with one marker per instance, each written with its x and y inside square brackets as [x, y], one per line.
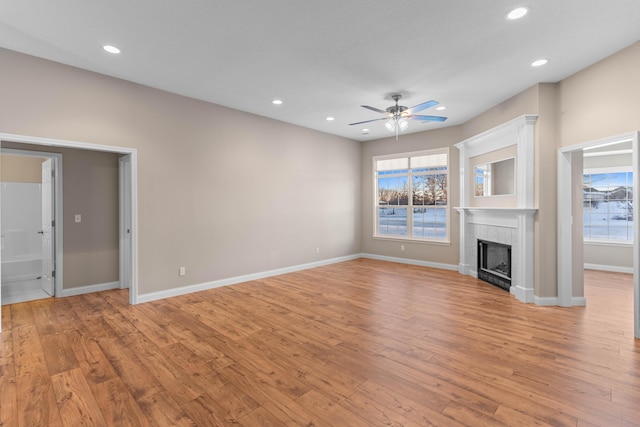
[183, 271]
[402, 247]
[78, 218]
[317, 250]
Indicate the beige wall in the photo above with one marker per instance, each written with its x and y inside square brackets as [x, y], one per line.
[523, 103]
[431, 252]
[221, 192]
[20, 168]
[611, 256]
[602, 100]
[90, 188]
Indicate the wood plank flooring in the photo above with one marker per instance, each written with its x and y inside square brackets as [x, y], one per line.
[360, 343]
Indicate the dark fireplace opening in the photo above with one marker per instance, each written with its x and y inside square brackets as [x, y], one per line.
[494, 263]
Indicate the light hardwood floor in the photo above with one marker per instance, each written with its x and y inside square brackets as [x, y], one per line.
[360, 343]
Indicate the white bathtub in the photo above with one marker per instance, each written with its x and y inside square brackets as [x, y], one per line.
[23, 267]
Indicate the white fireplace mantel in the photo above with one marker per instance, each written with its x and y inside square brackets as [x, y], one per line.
[507, 225]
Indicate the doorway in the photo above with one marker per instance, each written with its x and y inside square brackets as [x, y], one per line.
[128, 185]
[31, 185]
[570, 221]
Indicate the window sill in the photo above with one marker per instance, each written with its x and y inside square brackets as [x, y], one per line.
[619, 243]
[408, 240]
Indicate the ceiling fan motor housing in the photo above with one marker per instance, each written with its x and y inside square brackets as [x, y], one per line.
[396, 110]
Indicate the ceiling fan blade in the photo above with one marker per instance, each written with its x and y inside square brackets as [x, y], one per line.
[428, 118]
[377, 110]
[423, 106]
[367, 121]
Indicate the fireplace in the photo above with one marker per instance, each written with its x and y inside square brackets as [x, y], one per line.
[494, 263]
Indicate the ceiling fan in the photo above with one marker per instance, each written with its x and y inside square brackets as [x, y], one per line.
[396, 116]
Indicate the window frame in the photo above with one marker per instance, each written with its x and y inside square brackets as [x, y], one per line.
[609, 241]
[410, 206]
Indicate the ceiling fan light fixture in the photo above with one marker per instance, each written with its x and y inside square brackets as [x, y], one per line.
[390, 125]
[396, 124]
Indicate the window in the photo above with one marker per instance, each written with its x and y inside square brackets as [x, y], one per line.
[608, 204]
[411, 192]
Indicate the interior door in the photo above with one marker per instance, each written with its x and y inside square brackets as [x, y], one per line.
[48, 262]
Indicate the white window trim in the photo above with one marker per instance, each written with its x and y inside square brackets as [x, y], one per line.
[409, 206]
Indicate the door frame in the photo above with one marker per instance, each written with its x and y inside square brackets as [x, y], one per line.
[565, 213]
[56, 160]
[125, 221]
[132, 153]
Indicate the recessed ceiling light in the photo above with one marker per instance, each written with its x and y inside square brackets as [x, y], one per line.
[440, 108]
[111, 49]
[517, 13]
[365, 130]
[539, 62]
[330, 119]
[276, 102]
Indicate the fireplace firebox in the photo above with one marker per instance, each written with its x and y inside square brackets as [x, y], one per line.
[494, 263]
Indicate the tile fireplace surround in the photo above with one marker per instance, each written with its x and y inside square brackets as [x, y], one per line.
[509, 225]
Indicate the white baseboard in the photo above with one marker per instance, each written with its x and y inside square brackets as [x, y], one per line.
[545, 301]
[612, 268]
[578, 301]
[90, 288]
[421, 263]
[554, 301]
[152, 296]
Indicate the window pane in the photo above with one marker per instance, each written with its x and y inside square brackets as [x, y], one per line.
[480, 189]
[441, 189]
[618, 230]
[608, 206]
[392, 221]
[599, 181]
[429, 189]
[618, 207]
[430, 222]
[419, 187]
[393, 190]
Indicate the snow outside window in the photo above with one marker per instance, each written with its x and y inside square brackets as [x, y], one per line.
[608, 205]
[412, 196]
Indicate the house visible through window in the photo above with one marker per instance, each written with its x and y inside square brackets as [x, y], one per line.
[608, 204]
[412, 195]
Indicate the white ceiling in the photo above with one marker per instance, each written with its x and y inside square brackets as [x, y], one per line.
[327, 57]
